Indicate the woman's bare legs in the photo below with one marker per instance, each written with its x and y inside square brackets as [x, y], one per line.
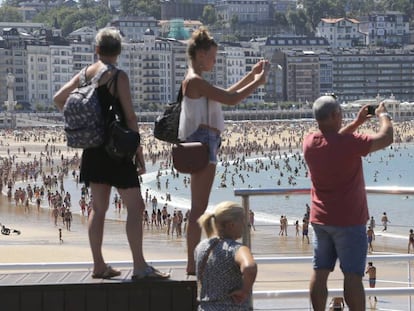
[135, 207]
[100, 203]
[201, 183]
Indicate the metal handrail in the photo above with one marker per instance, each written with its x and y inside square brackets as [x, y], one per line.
[272, 294]
[245, 194]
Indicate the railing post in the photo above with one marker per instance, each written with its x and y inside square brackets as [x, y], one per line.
[246, 231]
[409, 283]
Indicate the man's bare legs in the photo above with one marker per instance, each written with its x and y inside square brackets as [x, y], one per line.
[319, 289]
[354, 292]
[201, 183]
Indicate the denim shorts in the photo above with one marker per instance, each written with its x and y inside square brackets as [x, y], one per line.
[348, 244]
[209, 137]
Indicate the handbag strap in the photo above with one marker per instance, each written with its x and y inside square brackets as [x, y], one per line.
[180, 94]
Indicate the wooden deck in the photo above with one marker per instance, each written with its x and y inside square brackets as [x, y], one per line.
[78, 291]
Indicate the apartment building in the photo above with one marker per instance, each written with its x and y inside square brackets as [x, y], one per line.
[5, 68]
[341, 32]
[148, 64]
[302, 76]
[49, 66]
[156, 67]
[134, 27]
[388, 29]
[14, 61]
[372, 72]
[250, 11]
[284, 6]
[82, 42]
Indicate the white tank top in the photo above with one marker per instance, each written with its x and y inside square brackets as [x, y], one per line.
[194, 113]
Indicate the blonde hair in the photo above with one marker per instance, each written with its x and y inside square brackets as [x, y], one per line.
[200, 40]
[213, 223]
[108, 41]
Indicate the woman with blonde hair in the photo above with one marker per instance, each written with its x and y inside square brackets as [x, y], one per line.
[100, 172]
[225, 268]
[202, 120]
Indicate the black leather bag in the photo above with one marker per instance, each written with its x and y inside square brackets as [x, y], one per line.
[121, 142]
[190, 157]
[166, 125]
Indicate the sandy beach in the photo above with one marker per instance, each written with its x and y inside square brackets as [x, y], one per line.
[39, 241]
[28, 146]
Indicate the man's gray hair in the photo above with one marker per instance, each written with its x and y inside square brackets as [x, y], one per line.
[324, 106]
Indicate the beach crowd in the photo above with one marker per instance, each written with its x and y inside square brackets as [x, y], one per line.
[39, 158]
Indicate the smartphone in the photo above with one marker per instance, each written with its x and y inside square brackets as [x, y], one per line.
[371, 109]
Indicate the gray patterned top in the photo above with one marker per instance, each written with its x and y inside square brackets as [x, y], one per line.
[220, 277]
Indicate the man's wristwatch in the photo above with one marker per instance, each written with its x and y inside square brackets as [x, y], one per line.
[385, 114]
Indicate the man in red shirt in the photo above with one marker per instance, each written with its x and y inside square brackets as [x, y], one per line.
[339, 210]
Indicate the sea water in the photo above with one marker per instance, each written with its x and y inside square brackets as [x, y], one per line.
[390, 167]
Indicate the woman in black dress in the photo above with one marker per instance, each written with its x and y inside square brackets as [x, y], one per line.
[100, 172]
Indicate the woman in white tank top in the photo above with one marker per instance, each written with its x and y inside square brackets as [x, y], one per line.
[202, 120]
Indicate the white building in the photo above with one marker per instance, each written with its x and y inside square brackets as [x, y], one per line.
[239, 61]
[48, 68]
[148, 64]
[341, 32]
[388, 29]
[133, 28]
[244, 10]
[82, 42]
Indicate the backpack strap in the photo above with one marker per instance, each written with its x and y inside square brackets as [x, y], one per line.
[100, 73]
[82, 76]
[95, 79]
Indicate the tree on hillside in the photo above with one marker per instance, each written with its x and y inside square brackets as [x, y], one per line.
[280, 19]
[299, 22]
[10, 14]
[14, 3]
[317, 9]
[140, 7]
[405, 6]
[209, 15]
[70, 19]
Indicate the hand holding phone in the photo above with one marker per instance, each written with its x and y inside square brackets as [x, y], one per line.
[371, 109]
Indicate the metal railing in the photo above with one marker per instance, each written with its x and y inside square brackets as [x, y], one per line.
[245, 195]
[259, 295]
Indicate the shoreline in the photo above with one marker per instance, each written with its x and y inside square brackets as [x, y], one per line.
[39, 238]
